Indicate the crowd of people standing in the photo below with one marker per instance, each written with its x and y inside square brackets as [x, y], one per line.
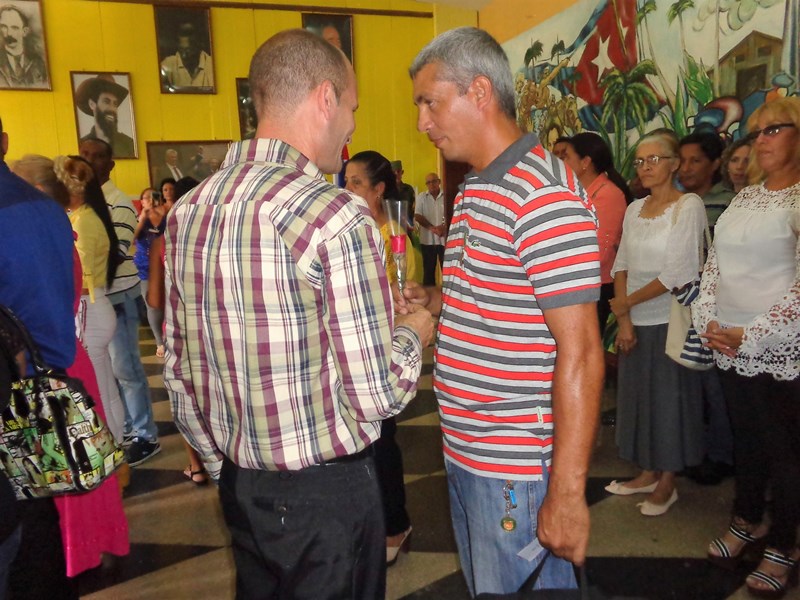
[289, 347]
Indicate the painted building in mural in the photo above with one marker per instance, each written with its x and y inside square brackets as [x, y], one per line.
[625, 67]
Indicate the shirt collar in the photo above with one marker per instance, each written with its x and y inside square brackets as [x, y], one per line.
[270, 150]
[508, 158]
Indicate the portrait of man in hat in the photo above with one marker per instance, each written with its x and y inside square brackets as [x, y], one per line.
[104, 111]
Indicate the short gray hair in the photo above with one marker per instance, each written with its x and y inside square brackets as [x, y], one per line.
[464, 54]
[289, 65]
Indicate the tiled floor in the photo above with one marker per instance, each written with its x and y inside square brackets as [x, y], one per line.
[180, 546]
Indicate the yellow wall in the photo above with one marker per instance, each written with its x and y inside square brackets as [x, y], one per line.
[506, 19]
[83, 35]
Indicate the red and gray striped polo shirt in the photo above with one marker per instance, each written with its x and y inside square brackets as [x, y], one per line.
[523, 239]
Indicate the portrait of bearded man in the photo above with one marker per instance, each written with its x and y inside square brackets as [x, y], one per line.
[105, 100]
[22, 55]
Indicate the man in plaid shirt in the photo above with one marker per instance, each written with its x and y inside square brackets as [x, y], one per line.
[283, 353]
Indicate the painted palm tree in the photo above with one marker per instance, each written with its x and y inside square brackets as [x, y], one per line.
[676, 10]
[628, 99]
[648, 7]
[532, 54]
[558, 50]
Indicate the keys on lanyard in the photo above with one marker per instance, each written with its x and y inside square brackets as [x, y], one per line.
[508, 523]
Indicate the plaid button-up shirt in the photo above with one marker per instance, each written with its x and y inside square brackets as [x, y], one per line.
[281, 350]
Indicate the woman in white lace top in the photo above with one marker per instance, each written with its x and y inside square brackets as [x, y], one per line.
[749, 309]
[659, 402]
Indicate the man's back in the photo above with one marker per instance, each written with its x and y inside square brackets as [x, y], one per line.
[36, 278]
[267, 309]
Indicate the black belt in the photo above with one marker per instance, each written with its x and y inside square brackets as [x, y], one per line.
[348, 458]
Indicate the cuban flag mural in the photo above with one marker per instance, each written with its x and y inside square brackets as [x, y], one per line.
[625, 67]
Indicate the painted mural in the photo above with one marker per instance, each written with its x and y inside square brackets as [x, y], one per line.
[625, 67]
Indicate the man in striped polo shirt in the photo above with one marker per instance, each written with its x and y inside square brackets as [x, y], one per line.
[519, 363]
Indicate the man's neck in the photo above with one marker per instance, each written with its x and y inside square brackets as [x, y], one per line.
[502, 133]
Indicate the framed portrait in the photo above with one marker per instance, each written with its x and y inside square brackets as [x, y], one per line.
[247, 112]
[336, 29]
[183, 40]
[104, 110]
[23, 58]
[197, 159]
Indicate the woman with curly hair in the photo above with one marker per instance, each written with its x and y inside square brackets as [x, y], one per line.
[96, 244]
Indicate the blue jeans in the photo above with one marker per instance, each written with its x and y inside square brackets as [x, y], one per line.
[128, 369]
[8, 551]
[489, 554]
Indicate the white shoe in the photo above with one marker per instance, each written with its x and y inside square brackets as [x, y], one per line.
[649, 509]
[620, 490]
[392, 552]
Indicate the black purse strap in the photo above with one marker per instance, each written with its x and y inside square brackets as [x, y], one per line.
[33, 350]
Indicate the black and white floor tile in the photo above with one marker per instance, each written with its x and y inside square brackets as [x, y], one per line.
[180, 547]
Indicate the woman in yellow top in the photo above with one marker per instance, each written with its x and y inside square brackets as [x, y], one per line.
[370, 175]
[97, 246]
[365, 176]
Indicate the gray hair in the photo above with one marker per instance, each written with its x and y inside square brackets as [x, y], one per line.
[289, 65]
[466, 53]
[667, 142]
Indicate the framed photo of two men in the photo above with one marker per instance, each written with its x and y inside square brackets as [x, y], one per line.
[104, 110]
[23, 57]
[183, 39]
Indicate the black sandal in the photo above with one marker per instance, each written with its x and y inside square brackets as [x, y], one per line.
[725, 559]
[190, 475]
[776, 589]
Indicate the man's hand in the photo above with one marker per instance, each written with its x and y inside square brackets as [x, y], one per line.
[420, 320]
[564, 525]
[429, 297]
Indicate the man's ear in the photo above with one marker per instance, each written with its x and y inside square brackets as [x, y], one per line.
[482, 90]
[3, 144]
[92, 105]
[716, 164]
[326, 98]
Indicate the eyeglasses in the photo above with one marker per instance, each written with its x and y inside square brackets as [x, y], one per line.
[650, 160]
[430, 181]
[770, 130]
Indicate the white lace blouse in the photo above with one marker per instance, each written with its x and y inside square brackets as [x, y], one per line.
[654, 248]
[752, 280]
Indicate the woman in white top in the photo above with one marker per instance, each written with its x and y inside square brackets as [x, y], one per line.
[659, 402]
[749, 309]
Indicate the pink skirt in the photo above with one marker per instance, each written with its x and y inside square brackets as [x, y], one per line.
[94, 522]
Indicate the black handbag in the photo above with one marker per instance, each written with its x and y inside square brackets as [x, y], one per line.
[52, 441]
[526, 591]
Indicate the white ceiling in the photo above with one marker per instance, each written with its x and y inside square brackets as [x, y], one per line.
[472, 4]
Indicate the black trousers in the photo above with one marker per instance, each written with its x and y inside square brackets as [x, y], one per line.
[389, 462]
[40, 570]
[430, 254]
[316, 533]
[603, 306]
[765, 418]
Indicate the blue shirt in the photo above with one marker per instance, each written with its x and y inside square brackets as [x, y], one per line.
[36, 278]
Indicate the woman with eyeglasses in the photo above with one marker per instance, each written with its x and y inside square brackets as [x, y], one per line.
[659, 402]
[749, 311]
